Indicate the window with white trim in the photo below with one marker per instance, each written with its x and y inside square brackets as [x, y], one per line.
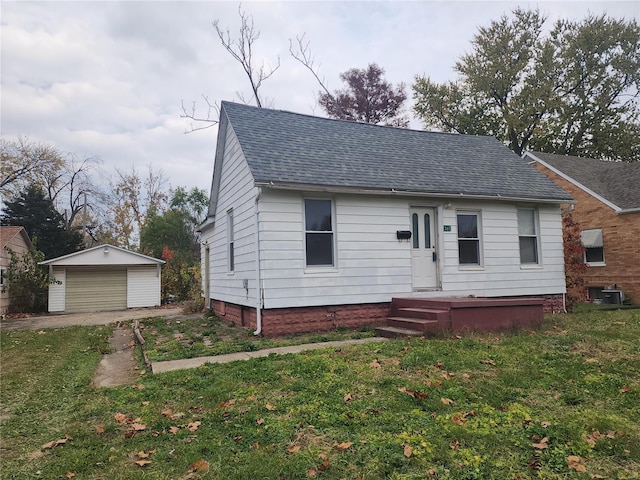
[528, 235]
[230, 241]
[593, 245]
[319, 232]
[469, 238]
[3, 274]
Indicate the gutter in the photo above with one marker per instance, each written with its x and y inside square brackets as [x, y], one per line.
[407, 193]
[258, 330]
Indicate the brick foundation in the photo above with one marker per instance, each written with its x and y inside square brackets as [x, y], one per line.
[284, 321]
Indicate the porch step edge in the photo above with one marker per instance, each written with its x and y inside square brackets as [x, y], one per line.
[396, 332]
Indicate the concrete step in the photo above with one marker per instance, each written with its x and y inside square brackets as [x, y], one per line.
[421, 312]
[418, 324]
[396, 332]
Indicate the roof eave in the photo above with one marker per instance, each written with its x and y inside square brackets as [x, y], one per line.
[407, 193]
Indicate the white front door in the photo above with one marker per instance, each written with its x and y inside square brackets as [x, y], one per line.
[424, 261]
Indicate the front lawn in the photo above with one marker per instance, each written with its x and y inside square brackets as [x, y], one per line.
[204, 335]
[562, 402]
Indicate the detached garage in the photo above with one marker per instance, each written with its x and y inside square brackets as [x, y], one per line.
[103, 278]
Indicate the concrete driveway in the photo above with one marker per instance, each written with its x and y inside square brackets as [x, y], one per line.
[91, 318]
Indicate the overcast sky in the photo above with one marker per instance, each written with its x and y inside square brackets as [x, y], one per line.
[107, 79]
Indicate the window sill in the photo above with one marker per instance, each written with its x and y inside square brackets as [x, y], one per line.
[596, 264]
[319, 270]
[471, 268]
[531, 266]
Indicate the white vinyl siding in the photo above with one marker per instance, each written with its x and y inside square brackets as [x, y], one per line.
[502, 274]
[143, 286]
[95, 289]
[235, 192]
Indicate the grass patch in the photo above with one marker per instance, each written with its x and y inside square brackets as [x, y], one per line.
[201, 336]
[545, 404]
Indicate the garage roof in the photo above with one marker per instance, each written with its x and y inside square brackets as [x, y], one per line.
[103, 255]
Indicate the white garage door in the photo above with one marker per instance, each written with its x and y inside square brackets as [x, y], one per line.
[96, 289]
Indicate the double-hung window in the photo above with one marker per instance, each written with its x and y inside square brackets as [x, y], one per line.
[469, 238]
[319, 232]
[230, 241]
[593, 245]
[528, 235]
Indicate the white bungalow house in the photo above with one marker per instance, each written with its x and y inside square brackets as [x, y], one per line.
[315, 223]
[104, 277]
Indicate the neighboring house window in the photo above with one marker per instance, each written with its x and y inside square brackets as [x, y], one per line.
[528, 235]
[469, 238]
[2, 276]
[594, 247]
[318, 219]
[230, 240]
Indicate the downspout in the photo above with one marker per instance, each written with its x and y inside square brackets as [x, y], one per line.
[258, 278]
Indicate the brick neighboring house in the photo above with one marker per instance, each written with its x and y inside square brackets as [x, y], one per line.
[607, 208]
[16, 240]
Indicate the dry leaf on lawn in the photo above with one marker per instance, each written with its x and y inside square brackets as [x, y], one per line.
[408, 451]
[344, 445]
[142, 463]
[293, 449]
[193, 426]
[200, 466]
[375, 364]
[542, 444]
[446, 401]
[574, 462]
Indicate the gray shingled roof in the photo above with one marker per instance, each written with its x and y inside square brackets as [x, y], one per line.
[293, 149]
[617, 182]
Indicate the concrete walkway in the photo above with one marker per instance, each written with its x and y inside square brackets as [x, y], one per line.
[159, 367]
[90, 318]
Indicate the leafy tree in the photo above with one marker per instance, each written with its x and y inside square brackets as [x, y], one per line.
[168, 230]
[134, 199]
[571, 92]
[27, 282]
[574, 266]
[367, 98]
[36, 213]
[193, 204]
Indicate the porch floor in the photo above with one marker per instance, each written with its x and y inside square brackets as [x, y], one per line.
[442, 316]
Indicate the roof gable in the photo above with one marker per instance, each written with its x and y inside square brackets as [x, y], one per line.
[7, 233]
[290, 149]
[103, 255]
[616, 183]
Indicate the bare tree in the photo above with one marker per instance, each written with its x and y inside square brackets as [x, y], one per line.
[303, 55]
[241, 49]
[22, 159]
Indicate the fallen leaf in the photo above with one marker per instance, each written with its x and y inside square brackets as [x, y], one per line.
[624, 389]
[542, 444]
[574, 462]
[138, 427]
[488, 362]
[324, 465]
[174, 430]
[138, 386]
[458, 419]
[120, 417]
[145, 403]
[142, 455]
[99, 429]
[446, 401]
[70, 474]
[260, 421]
[375, 364]
[270, 407]
[293, 449]
[405, 348]
[311, 473]
[167, 413]
[348, 398]
[55, 443]
[237, 438]
[408, 451]
[438, 365]
[142, 463]
[255, 446]
[192, 427]
[432, 471]
[200, 466]
[545, 424]
[455, 445]
[344, 445]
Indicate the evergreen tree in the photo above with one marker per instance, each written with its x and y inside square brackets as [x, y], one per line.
[37, 214]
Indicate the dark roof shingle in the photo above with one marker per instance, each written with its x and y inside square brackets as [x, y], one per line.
[290, 148]
[617, 182]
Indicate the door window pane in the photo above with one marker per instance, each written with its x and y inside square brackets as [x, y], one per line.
[415, 231]
[427, 231]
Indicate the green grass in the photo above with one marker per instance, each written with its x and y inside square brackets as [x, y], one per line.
[469, 408]
[201, 336]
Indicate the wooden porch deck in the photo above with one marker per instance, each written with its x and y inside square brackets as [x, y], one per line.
[443, 316]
